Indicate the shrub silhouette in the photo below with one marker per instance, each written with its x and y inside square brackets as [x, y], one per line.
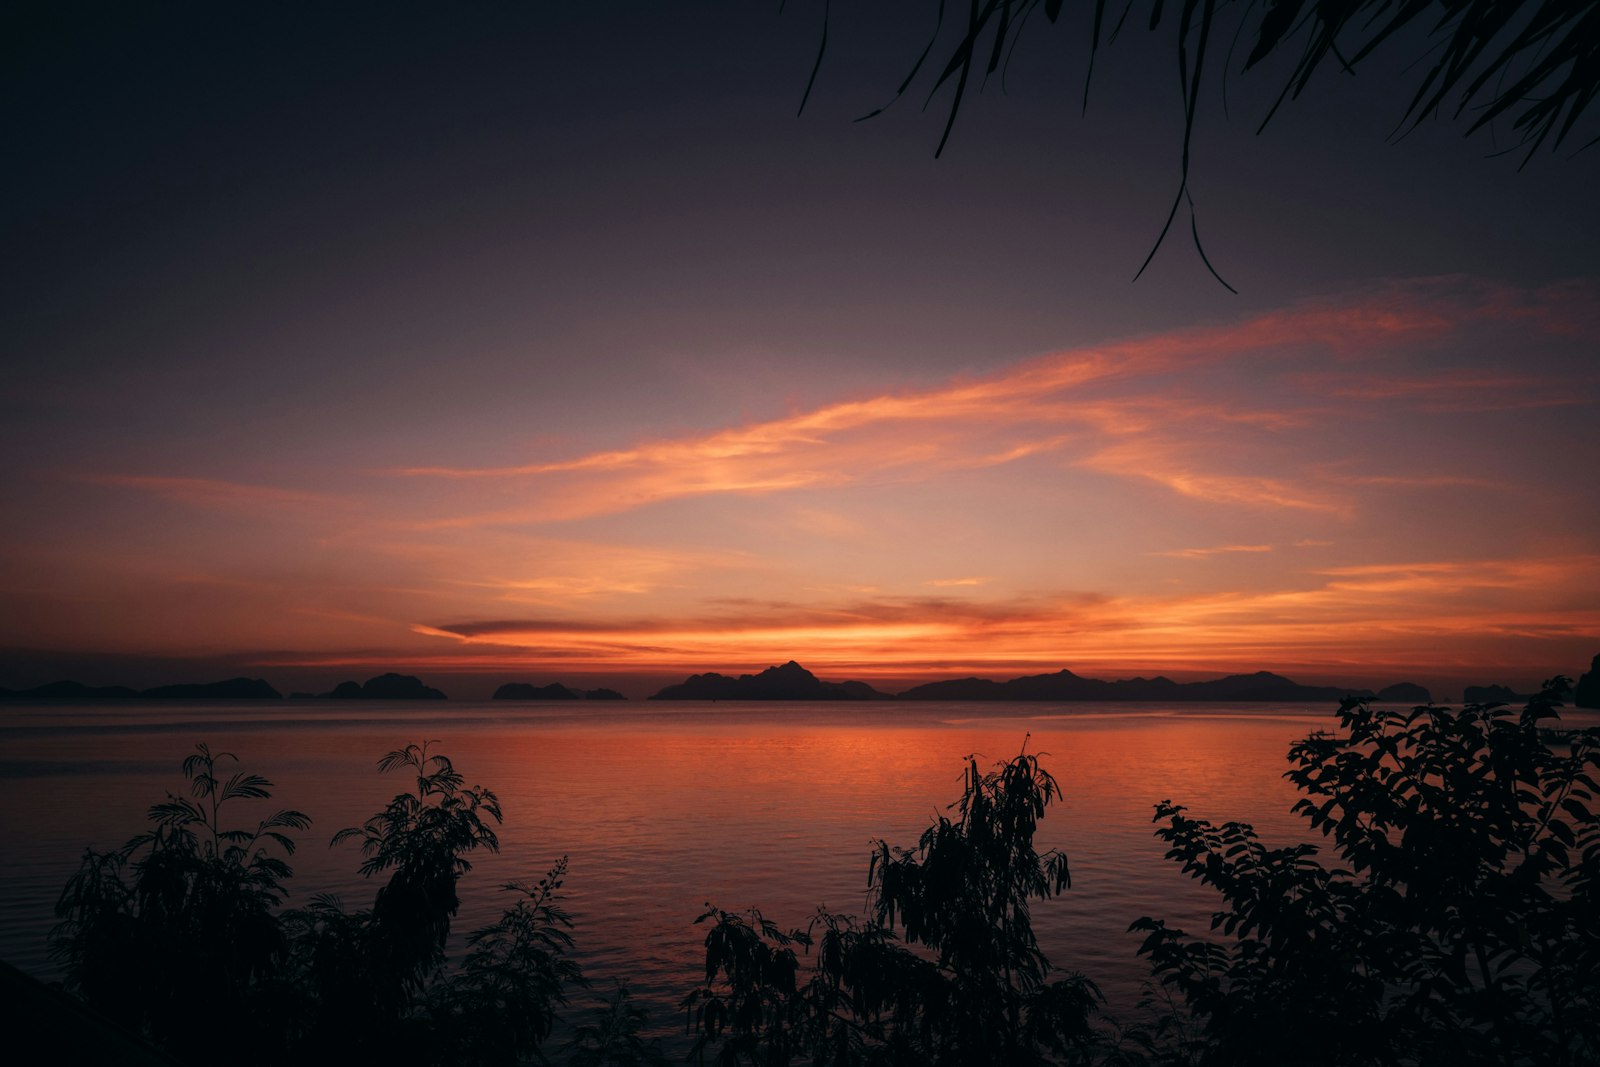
[945, 970]
[1461, 926]
[175, 932]
[177, 935]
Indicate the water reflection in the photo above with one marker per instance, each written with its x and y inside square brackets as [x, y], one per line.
[663, 811]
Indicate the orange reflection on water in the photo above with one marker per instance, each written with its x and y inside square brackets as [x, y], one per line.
[665, 807]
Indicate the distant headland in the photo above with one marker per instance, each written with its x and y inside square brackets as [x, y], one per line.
[791, 681]
[1064, 685]
[788, 682]
[231, 689]
[390, 686]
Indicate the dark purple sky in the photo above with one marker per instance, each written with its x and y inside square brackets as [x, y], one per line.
[584, 267]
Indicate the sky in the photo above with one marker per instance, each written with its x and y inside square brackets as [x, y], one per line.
[549, 343]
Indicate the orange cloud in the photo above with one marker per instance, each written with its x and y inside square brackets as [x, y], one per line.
[1062, 402]
[1169, 465]
[1201, 553]
[1368, 615]
[1073, 471]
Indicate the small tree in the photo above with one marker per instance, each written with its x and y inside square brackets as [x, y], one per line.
[377, 978]
[423, 837]
[501, 1004]
[613, 1039]
[175, 934]
[947, 968]
[1461, 926]
[178, 935]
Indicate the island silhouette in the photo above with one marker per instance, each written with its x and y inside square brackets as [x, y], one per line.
[390, 686]
[791, 681]
[1586, 694]
[1065, 685]
[230, 689]
[788, 682]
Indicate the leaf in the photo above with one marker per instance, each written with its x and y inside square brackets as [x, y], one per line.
[822, 48]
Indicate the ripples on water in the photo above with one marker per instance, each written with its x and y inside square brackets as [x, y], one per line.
[663, 808]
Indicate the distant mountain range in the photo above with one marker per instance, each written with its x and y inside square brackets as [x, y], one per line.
[390, 686]
[1586, 694]
[232, 689]
[793, 682]
[788, 682]
[1064, 685]
[1491, 694]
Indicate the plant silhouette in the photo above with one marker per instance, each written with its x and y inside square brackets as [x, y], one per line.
[175, 932]
[178, 936]
[1458, 924]
[945, 970]
[423, 836]
[1534, 64]
[1461, 926]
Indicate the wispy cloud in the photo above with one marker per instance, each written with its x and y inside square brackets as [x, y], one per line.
[1110, 472]
[1094, 406]
[1366, 614]
[1451, 391]
[1169, 465]
[1202, 553]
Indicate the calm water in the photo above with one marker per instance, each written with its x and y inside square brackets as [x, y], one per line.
[665, 807]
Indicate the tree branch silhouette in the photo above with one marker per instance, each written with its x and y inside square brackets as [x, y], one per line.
[1534, 65]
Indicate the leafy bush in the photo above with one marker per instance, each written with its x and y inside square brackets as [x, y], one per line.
[945, 970]
[1461, 926]
[1458, 924]
[177, 935]
[175, 932]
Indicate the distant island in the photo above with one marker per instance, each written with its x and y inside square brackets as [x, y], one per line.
[389, 686]
[793, 682]
[231, 689]
[1587, 692]
[1404, 693]
[553, 691]
[1491, 694]
[1066, 686]
[788, 682]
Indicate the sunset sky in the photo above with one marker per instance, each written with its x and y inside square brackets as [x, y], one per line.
[550, 345]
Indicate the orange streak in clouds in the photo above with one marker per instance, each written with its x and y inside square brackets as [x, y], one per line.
[1038, 407]
[1105, 462]
[1368, 614]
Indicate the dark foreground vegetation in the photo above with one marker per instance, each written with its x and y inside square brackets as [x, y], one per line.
[1454, 922]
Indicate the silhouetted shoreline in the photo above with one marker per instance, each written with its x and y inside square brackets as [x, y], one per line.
[231, 689]
[791, 681]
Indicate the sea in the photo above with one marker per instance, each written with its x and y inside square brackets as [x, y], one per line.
[667, 809]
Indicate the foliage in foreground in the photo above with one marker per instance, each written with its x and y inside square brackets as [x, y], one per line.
[176, 934]
[946, 969]
[1459, 924]
[1530, 65]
